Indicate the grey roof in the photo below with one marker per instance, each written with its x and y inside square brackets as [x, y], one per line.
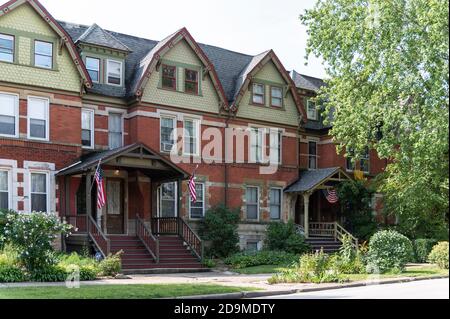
[248, 68]
[97, 36]
[310, 179]
[307, 82]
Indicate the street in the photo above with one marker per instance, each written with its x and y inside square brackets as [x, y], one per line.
[429, 289]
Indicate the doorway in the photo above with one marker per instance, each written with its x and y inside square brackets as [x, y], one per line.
[115, 215]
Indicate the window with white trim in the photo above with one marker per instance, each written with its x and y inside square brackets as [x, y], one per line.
[312, 111]
[275, 203]
[9, 115]
[252, 203]
[4, 190]
[6, 48]
[114, 72]
[43, 54]
[256, 145]
[87, 128]
[365, 161]
[168, 200]
[167, 133]
[276, 138]
[115, 127]
[191, 137]
[276, 94]
[197, 209]
[39, 192]
[38, 118]
[258, 94]
[93, 68]
[312, 155]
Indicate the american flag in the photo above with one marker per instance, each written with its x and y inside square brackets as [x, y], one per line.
[101, 197]
[331, 196]
[192, 187]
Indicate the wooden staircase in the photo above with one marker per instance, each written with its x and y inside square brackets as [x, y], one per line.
[329, 245]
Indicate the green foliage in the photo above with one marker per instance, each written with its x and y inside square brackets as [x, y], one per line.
[356, 199]
[10, 270]
[349, 260]
[389, 251]
[88, 267]
[422, 249]
[388, 90]
[284, 237]
[209, 263]
[265, 257]
[49, 273]
[111, 265]
[439, 255]
[220, 228]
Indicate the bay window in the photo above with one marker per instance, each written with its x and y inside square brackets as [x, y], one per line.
[9, 115]
[38, 118]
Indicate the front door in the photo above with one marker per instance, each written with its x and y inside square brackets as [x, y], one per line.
[115, 217]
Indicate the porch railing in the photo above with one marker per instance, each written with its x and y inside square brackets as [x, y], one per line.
[150, 242]
[165, 226]
[100, 240]
[332, 230]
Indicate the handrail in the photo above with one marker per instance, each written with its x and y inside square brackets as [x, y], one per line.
[144, 233]
[341, 232]
[191, 238]
[97, 235]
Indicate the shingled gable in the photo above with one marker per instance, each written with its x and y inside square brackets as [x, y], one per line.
[255, 65]
[64, 36]
[148, 64]
[95, 35]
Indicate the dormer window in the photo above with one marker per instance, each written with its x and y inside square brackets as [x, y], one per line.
[258, 93]
[312, 111]
[114, 73]
[169, 77]
[93, 68]
[276, 94]
[6, 48]
[191, 81]
[43, 54]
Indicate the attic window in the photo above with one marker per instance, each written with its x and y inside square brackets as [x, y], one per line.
[169, 77]
[6, 48]
[276, 94]
[258, 93]
[114, 75]
[191, 81]
[312, 111]
[43, 54]
[93, 67]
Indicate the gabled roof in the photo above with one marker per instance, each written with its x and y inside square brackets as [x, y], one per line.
[64, 36]
[307, 82]
[97, 36]
[310, 180]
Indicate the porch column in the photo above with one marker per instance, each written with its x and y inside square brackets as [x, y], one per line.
[88, 198]
[180, 197]
[306, 197]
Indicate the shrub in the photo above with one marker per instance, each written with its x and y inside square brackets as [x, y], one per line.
[11, 273]
[88, 267]
[220, 228]
[111, 265]
[349, 260]
[389, 251]
[49, 273]
[439, 255]
[209, 263]
[244, 260]
[422, 249]
[284, 237]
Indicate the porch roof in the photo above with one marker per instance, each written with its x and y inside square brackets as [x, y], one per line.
[137, 150]
[310, 180]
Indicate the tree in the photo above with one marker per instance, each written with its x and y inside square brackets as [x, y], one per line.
[388, 89]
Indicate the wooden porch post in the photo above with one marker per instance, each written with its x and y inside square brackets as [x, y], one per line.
[88, 197]
[306, 197]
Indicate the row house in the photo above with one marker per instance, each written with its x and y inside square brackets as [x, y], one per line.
[153, 113]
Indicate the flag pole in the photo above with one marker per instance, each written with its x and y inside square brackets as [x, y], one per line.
[96, 170]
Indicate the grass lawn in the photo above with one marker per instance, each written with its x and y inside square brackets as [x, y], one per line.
[117, 291]
[419, 271]
[256, 270]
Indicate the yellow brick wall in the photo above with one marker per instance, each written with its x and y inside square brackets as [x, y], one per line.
[65, 77]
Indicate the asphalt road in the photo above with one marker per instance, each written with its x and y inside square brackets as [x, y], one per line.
[429, 289]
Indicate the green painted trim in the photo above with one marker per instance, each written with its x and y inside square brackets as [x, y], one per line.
[16, 46]
[261, 81]
[180, 72]
[104, 65]
[268, 95]
[102, 50]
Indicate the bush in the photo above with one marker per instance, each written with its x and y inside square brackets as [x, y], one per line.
[422, 249]
[209, 263]
[389, 251]
[111, 265]
[11, 273]
[244, 260]
[220, 228]
[348, 260]
[439, 255]
[88, 267]
[284, 237]
[52, 273]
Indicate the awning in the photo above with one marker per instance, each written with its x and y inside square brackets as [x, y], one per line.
[137, 156]
[310, 180]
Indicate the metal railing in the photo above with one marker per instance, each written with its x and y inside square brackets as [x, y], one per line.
[150, 242]
[98, 237]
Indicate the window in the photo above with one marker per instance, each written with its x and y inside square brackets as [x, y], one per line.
[312, 147]
[9, 115]
[365, 161]
[168, 203]
[169, 77]
[258, 93]
[252, 246]
[275, 203]
[4, 190]
[93, 68]
[276, 94]
[191, 137]
[256, 145]
[197, 209]
[168, 126]
[191, 81]
[350, 165]
[38, 114]
[87, 128]
[312, 111]
[276, 139]
[6, 48]
[43, 54]
[252, 198]
[115, 130]
[38, 192]
[114, 74]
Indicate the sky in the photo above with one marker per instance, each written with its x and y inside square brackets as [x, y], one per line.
[247, 26]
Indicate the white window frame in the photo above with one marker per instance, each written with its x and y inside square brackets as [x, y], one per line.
[260, 136]
[174, 121]
[314, 117]
[280, 146]
[16, 115]
[281, 202]
[203, 203]
[263, 94]
[92, 112]
[47, 185]
[52, 56]
[159, 191]
[99, 67]
[122, 117]
[272, 87]
[315, 156]
[258, 212]
[197, 127]
[6, 36]
[10, 186]
[107, 72]
[47, 118]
